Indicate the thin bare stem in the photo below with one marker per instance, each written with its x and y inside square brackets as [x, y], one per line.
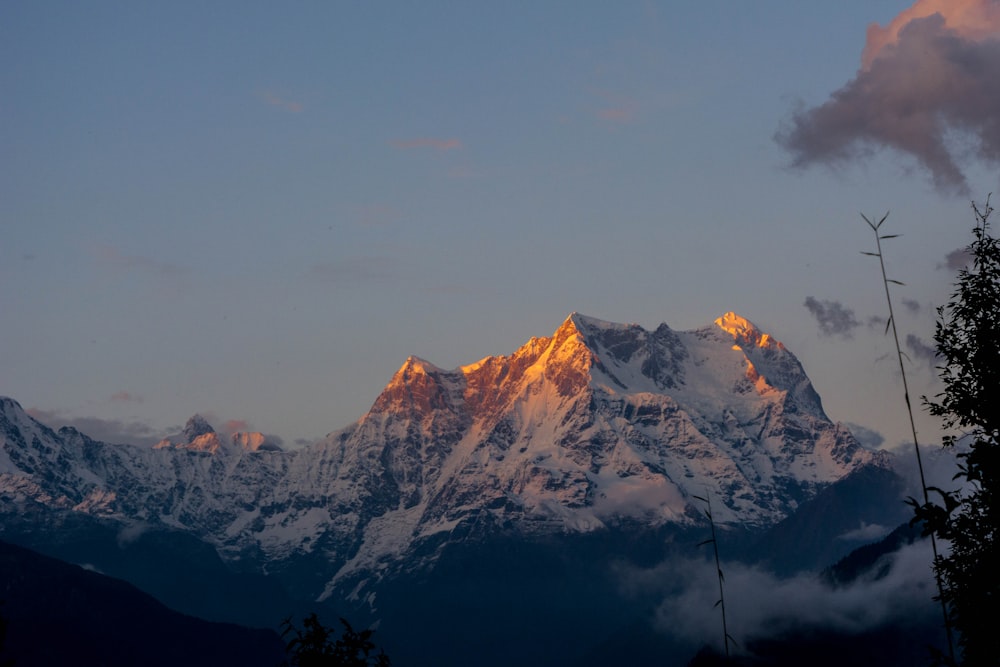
[909, 411]
[718, 569]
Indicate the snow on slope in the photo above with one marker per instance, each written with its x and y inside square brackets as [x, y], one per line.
[596, 424]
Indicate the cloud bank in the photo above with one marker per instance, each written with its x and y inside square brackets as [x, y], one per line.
[927, 85]
[104, 430]
[760, 605]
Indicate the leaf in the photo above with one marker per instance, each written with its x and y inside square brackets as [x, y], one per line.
[895, 282]
[890, 236]
[717, 603]
[699, 498]
[888, 323]
[873, 254]
[701, 544]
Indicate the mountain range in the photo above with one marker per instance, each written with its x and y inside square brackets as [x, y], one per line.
[461, 488]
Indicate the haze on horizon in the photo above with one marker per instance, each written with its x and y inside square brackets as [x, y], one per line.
[258, 213]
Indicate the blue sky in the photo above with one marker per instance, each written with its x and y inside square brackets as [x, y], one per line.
[257, 211]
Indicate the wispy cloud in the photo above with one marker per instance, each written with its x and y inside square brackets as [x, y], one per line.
[355, 270]
[921, 350]
[927, 76]
[868, 437]
[958, 258]
[112, 257]
[426, 142]
[235, 426]
[912, 305]
[125, 397]
[377, 215]
[866, 532]
[105, 430]
[619, 109]
[833, 317]
[287, 105]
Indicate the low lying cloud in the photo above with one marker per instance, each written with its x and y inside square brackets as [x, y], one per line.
[912, 305]
[833, 317]
[866, 532]
[426, 142]
[105, 430]
[926, 88]
[761, 605]
[868, 437]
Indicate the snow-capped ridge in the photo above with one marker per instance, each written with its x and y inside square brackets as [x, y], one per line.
[746, 332]
[599, 423]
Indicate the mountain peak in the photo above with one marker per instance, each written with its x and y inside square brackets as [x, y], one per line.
[196, 427]
[746, 332]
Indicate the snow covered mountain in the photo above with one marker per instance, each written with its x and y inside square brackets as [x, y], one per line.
[596, 426]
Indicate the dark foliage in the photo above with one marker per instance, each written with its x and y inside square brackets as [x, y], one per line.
[888, 646]
[315, 645]
[62, 614]
[968, 341]
[4, 662]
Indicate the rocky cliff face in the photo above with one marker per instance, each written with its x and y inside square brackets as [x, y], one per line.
[596, 425]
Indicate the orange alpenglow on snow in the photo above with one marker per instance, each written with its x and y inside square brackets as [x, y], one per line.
[746, 332]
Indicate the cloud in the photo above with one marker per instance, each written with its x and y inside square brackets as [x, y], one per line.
[105, 430]
[866, 532]
[287, 105]
[620, 109]
[833, 318]
[912, 305]
[355, 270]
[427, 142]
[620, 115]
[921, 350]
[761, 605]
[235, 426]
[958, 258]
[377, 215]
[125, 397]
[868, 437]
[926, 79]
[111, 256]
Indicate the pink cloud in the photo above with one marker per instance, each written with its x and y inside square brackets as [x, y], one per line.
[617, 115]
[287, 105]
[969, 19]
[235, 426]
[437, 144]
[125, 397]
[620, 109]
[929, 75]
